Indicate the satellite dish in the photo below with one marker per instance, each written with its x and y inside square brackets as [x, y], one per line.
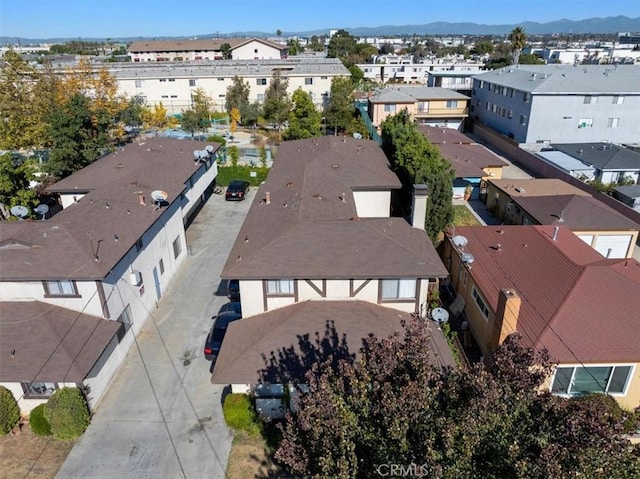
[357, 136]
[42, 209]
[20, 211]
[467, 258]
[209, 149]
[196, 154]
[460, 241]
[159, 196]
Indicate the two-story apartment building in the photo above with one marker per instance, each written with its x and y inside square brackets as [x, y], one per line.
[560, 103]
[549, 201]
[205, 49]
[76, 288]
[318, 245]
[173, 84]
[558, 293]
[426, 105]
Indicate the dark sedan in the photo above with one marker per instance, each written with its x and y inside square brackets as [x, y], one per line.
[216, 335]
[236, 190]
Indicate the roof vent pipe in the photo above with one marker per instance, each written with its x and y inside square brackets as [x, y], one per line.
[555, 232]
[267, 198]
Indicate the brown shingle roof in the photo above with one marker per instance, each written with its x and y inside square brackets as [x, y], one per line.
[67, 343]
[578, 212]
[468, 160]
[438, 135]
[567, 290]
[61, 246]
[183, 45]
[537, 187]
[254, 344]
[309, 232]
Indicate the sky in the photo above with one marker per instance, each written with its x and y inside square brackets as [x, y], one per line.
[159, 18]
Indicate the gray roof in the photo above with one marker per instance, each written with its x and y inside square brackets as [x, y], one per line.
[51, 344]
[567, 79]
[230, 68]
[604, 156]
[61, 247]
[411, 94]
[283, 343]
[565, 162]
[309, 232]
[630, 191]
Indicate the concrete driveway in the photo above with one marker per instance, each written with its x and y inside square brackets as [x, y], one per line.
[161, 418]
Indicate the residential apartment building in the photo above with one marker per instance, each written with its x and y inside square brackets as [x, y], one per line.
[314, 250]
[433, 106]
[208, 49]
[173, 84]
[398, 69]
[76, 288]
[546, 284]
[560, 103]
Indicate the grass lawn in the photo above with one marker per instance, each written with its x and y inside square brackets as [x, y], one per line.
[463, 217]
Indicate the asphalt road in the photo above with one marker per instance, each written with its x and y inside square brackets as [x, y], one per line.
[161, 418]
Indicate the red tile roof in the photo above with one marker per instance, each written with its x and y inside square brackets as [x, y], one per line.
[51, 344]
[577, 304]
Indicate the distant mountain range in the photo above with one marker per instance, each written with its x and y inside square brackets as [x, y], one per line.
[564, 26]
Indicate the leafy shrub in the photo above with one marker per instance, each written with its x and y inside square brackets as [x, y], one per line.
[241, 172]
[38, 423]
[9, 410]
[68, 413]
[240, 414]
[217, 139]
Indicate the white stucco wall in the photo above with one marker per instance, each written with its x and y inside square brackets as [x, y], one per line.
[255, 50]
[372, 204]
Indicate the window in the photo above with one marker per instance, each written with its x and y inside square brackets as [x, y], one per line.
[523, 119]
[139, 83]
[613, 122]
[477, 297]
[510, 114]
[452, 103]
[585, 122]
[60, 288]
[323, 78]
[398, 289]
[174, 96]
[260, 96]
[390, 108]
[177, 247]
[590, 100]
[423, 106]
[162, 80]
[220, 79]
[192, 83]
[526, 96]
[261, 81]
[618, 100]
[165, 96]
[308, 81]
[161, 266]
[591, 379]
[255, 50]
[280, 287]
[127, 320]
[171, 79]
[38, 389]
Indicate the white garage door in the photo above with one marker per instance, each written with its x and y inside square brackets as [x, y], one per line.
[613, 246]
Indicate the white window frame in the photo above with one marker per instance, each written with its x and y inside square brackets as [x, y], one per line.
[192, 82]
[308, 81]
[613, 122]
[390, 107]
[618, 100]
[452, 103]
[139, 83]
[59, 288]
[575, 367]
[480, 302]
[38, 389]
[280, 287]
[585, 122]
[590, 100]
[405, 289]
[177, 246]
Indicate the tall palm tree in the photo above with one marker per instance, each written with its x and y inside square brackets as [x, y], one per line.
[518, 40]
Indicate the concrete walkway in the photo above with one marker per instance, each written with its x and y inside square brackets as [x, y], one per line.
[162, 418]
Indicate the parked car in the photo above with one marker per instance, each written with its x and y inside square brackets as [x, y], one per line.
[236, 190]
[233, 290]
[216, 335]
[233, 306]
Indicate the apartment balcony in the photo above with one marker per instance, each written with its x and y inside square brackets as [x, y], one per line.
[442, 113]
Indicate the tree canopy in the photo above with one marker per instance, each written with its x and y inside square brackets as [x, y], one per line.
[276, 100]
[339, 110]
[238, 96]
[410, 150]
[304, 119]
[392, 407]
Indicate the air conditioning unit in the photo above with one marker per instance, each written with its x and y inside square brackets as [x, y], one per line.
[135, 278]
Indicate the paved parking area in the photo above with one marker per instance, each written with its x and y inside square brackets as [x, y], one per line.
[162, 418]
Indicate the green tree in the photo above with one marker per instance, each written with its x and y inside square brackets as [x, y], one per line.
[304, 119]
[225, 49]
[14, 183]
[408, 149]
[77, 138]
[201, 104]
[294, 47]
[342, 44]
[529, 59]
[252, 113]
[518, 40]
[131, 114]
[9, 411]
[386, 48]
[340, 110]
[190, 121]
[315, 44]
[238, 96]
[482, 47]
[392, 406]
[279, 32]
[276, 101]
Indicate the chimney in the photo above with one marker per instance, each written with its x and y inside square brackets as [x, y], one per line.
[506, 316]
[419, 206]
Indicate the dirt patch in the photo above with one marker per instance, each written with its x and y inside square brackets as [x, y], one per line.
[27, 455]
[250, 457]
